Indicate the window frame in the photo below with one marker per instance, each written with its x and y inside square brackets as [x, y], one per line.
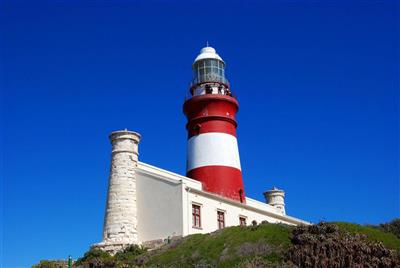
[242, 221]
[195, 215]
[221, 220]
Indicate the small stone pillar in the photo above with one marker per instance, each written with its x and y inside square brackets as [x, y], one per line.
[120, 219]
[276, 198]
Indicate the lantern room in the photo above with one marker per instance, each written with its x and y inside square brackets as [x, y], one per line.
[209, 74]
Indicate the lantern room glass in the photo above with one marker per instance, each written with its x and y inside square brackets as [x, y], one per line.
[209, 70]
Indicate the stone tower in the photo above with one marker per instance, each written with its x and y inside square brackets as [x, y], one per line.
[276, 198]
[120, 221]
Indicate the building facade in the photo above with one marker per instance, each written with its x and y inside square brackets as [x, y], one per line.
[147, 204]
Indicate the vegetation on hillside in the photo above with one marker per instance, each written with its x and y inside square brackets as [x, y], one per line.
[332, 245]
[391, 227]
[98, 258]
[374, 234]
[265, 245]
[51, 264]
[225, 248]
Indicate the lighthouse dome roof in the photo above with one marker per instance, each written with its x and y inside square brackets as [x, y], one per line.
[208, 53]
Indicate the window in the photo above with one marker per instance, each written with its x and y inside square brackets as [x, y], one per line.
[221, 219]
[196, 216]
[242, 221]
[241, 195]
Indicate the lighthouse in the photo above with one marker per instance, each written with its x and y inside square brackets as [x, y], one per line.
[212, 149]
[147, 205]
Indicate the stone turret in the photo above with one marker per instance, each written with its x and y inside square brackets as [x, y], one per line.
[120, 221]
[276, 198]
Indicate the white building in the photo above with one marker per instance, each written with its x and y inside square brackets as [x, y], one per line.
[147, 204]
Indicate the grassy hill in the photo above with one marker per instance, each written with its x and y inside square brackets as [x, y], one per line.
[226, 248]
[266, 245]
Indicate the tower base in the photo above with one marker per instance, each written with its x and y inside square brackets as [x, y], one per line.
[111, 247]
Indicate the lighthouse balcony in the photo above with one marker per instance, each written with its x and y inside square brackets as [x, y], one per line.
[209, 89]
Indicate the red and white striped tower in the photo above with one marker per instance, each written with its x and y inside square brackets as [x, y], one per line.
[213, 155]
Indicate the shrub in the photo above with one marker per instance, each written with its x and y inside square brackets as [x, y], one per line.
[326, 245]
[259, 262]
[95, 258]
[50, 264]
[130, 253]
[373, 234]
[391, 227]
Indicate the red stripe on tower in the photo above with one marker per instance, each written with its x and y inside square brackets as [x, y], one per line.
[213, 155]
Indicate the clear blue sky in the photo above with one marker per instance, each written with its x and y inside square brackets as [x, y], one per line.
[317, 83]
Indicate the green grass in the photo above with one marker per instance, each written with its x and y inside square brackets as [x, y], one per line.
[373, 234]
[232, 247]
[210, 247]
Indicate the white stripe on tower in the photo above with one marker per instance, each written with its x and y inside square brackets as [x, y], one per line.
[213, 149]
